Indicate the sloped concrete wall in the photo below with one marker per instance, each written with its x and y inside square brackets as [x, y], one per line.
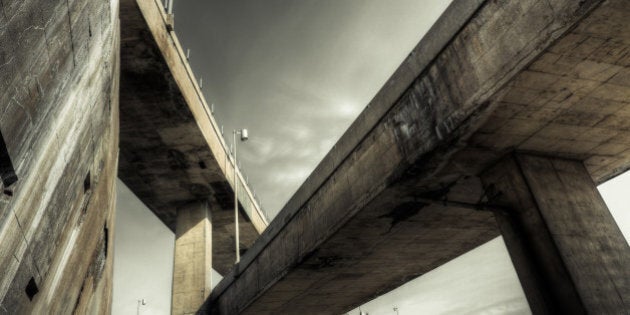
[59, 123]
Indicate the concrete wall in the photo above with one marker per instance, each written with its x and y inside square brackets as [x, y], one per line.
[59, 122]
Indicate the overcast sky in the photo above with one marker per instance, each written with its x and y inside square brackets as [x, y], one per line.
[482, 281]
[296, 74]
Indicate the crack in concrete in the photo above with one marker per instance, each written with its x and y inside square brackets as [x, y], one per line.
[24, 31]
[46, 39]
[4, 13]
[28, 114]
[19, 226]
[74, 58]
[8, 62]
[39, 87]
[39, 274]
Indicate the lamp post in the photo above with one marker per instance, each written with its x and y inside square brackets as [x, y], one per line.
[140, 302]
[244, 137]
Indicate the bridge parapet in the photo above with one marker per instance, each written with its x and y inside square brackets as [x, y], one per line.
[172, 150]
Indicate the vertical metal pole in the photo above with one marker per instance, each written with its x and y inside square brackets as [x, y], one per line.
[238, 254]
[170, 6]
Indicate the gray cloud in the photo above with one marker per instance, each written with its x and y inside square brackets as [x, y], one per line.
[296, 73]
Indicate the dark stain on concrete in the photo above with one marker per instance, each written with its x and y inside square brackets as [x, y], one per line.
[223, 194]
[31, 289]
[199, 190]
[7, 172]
[403, 212]
[87, 182]
[438, 193]
[177, 160]
[323, 262]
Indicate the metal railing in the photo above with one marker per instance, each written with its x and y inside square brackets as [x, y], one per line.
[243, 180]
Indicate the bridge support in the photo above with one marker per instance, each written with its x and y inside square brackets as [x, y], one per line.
[569, 253]
[193, 258]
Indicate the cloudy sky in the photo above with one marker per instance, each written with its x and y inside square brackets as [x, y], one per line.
[296, 74]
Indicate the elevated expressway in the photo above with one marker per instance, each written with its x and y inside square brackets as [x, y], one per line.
[506, 112]
[173, 155]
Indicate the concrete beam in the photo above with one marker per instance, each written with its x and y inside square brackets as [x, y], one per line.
[567, 249]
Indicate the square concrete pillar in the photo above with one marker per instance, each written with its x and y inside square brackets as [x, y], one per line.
[192, 269]
[569, 253]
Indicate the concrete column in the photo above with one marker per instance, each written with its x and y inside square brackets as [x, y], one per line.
[192, 268]
[569, 253]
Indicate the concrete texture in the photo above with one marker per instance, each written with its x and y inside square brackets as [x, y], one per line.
[59, 122]
[402, 183]
[572, 100]
[570, 255]
[172, 150]
[192, 269]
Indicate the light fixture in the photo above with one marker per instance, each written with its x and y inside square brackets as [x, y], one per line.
[140, 302]
[244, 136]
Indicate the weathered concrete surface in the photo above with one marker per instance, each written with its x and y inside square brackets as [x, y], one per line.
[59, 121]
[490, 77]
[572, 101]
[569, 253]
[172, 150]
[192, 268]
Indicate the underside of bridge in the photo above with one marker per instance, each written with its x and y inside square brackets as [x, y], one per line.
[172, 152]
[173, 155]
[421, 177]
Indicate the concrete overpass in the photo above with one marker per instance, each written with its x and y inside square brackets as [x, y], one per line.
[173, 155]
[506, 112]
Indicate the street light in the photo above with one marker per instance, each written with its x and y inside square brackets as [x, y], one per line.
[169, 6]
[140, 302]
[244, 137]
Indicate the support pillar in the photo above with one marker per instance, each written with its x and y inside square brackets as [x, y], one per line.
[192, 268]
[568, 252]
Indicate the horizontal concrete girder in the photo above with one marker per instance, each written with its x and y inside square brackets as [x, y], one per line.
[481, 84]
